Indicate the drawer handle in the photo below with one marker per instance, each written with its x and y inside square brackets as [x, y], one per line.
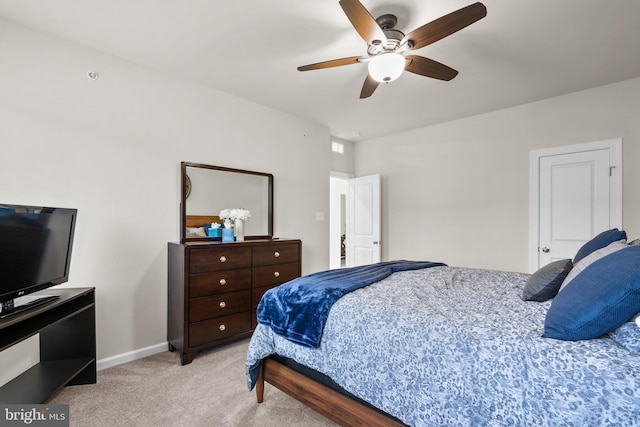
[223, 282]
[276, 254]
[277, 274]
[223, 258]
[223, 304]
[222, 327]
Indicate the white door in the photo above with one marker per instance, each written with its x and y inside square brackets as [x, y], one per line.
[363, 221]
[578, 198]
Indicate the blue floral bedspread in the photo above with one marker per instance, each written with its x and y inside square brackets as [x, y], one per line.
[298, 309]
[450, 346]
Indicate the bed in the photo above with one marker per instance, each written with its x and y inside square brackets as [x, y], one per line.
[196, 225]
[445, 345]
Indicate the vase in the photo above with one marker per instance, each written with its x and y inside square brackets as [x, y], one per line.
[239, 230]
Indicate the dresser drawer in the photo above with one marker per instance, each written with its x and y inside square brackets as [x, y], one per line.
[219, 305]
[274, 274]
[275, 253]
[219, 282]
[218, 328]
[225, 257]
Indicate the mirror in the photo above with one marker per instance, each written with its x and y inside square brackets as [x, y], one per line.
[206, 190]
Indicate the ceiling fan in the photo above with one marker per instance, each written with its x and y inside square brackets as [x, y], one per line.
[386, 45]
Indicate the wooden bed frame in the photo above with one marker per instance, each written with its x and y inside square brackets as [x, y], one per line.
[198, 220]
[330, 403]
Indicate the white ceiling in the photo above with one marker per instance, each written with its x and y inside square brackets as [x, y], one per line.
[523, 51]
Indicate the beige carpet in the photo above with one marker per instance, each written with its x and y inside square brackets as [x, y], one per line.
[158, 391]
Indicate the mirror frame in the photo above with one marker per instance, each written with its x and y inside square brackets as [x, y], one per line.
[184, 181]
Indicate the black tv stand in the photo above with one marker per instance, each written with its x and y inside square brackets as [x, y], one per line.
[67, 330]
[18, 305]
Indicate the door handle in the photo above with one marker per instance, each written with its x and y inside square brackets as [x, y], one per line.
[545, 250]
[377, 242]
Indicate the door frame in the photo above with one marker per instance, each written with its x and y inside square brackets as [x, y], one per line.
[335, 218]
[615, 186]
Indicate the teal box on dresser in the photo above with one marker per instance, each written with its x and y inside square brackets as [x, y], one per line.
[214, 232]
[227, 235]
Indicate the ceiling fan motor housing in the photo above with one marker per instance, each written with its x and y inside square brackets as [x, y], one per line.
[392, 44]
[394, 36]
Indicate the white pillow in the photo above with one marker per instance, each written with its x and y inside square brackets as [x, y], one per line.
[195, 232]
[590, 259]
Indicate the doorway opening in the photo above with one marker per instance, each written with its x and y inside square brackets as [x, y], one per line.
[338, 190]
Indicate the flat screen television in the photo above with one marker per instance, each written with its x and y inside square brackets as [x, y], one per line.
[35, 251]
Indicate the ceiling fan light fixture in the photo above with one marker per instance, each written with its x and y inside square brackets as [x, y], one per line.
[386, 67]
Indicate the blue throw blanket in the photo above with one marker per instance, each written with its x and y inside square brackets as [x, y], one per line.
[297, 310]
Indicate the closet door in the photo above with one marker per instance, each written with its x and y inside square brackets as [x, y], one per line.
[577, 199]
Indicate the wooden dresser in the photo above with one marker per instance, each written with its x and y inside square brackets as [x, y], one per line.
[214, 289]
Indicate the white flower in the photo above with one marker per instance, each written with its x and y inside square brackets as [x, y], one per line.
[233, 214]
[242, 214]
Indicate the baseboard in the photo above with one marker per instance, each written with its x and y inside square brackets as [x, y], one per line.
[130, 356]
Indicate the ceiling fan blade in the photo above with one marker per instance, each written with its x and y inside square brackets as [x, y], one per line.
[362, 21]
[445, 25]
[329, 64]
[429, 68]
[370, 85]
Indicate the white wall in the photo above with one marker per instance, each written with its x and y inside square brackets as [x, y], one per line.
[458, 192]
[112, 148]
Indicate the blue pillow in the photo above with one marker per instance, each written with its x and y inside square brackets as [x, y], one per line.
[600, 241]
[602, 297]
